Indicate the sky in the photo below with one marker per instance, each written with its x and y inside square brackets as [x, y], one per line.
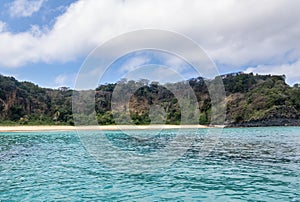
[47, 41]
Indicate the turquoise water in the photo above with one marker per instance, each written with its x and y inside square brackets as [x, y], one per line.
[247, 164]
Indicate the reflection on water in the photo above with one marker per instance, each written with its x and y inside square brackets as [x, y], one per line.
[258, 164]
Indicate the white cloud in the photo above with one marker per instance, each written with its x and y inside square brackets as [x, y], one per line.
[291, 71]
[133, 63]
[66, 79]
[235, 33]
[156, 73]
[2, 26]
[175, 63]
[24, 8]
[163, 63]
[36, 31]
[60, 80]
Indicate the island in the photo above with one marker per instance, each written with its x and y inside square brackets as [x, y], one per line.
[251, 100]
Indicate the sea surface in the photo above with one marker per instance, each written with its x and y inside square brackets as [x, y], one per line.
[245, 164]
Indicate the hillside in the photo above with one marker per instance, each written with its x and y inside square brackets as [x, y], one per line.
[27, 103]
[261, 100]
[252, 100]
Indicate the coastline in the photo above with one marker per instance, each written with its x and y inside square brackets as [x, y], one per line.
[105, 127]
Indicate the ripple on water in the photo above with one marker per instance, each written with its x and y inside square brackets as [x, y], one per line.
[246, 164]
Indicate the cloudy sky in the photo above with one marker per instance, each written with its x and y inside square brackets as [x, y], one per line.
[46, 41]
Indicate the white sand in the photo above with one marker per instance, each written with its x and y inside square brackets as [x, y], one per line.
[109, 127]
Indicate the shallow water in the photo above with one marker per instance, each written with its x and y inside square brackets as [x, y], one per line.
[246, 164]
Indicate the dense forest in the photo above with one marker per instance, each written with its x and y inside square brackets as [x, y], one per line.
[251, 100]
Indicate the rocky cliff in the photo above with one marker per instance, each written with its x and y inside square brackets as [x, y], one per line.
[252, 100]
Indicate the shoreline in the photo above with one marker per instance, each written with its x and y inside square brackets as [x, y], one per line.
[49, 128]
[105, 127]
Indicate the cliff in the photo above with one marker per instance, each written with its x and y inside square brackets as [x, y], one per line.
[252, 100]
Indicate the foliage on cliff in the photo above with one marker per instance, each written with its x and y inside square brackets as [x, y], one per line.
[27, 103]
[252, 100]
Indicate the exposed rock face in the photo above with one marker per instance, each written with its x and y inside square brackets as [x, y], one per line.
[252, 100]
[282, 112]
[268, 122]
[25, 99]
[278, 116]
[267, 101]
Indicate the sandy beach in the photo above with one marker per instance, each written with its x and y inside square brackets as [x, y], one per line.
[108, 127]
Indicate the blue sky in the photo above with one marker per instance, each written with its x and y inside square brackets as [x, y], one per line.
[46, 74]
[47, 41]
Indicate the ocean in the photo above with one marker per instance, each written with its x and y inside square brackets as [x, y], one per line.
[240, 164]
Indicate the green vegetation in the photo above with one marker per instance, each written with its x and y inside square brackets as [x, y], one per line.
[251, 100]
[24, 103]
